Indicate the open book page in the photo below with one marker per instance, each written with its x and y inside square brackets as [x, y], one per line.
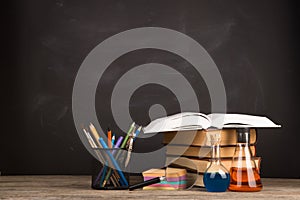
[196, 121]
[178, 122]
[241, 120]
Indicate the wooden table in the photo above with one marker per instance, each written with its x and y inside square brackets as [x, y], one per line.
[78, 187]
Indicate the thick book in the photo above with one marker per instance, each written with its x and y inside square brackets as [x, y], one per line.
[199, 137]
[203, 152]
[198, 121]
[202, 164]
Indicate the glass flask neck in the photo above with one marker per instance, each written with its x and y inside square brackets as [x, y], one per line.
[215, 154]
[243, 144]
[243, 152]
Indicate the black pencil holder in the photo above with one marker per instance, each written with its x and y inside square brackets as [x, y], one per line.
[108, 172]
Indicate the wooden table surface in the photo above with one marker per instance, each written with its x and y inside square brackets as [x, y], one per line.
[78, 187]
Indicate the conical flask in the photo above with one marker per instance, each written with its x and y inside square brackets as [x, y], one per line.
[244, 174]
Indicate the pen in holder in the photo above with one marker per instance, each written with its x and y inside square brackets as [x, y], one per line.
[108, 174]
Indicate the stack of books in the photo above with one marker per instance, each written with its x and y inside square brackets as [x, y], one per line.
[185, 135]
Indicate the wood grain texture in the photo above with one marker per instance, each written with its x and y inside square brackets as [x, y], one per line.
[78, 187]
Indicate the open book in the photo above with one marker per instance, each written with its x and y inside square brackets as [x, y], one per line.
[197, 121]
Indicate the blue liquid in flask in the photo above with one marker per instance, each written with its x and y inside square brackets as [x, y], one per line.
[216, 177]
[216, 182]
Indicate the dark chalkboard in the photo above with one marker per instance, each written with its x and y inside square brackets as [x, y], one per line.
[254, 44]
